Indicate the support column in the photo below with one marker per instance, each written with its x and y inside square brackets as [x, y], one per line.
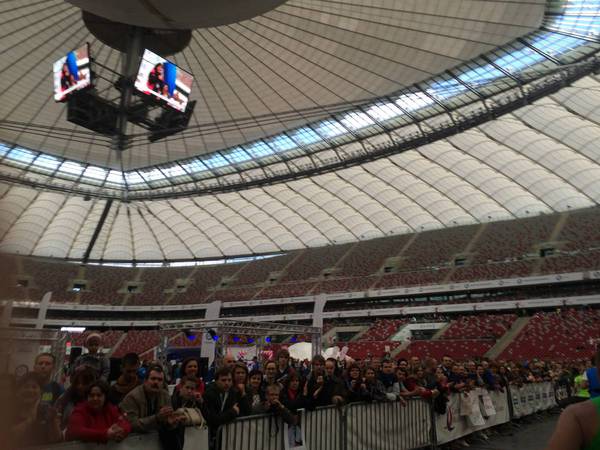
[317, 345]
[129, 68]
[41, 318]
[208, 347]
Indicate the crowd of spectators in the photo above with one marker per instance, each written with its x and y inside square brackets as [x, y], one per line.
[90, 409]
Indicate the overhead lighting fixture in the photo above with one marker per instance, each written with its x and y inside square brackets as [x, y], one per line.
[189, 334]
[213, 335]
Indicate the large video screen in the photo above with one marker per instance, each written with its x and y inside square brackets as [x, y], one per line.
[72, 73]
[164, 80]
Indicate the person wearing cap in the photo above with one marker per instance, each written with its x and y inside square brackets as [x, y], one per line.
[94, 358]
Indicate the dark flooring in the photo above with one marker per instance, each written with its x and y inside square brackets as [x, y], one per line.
[533, 434]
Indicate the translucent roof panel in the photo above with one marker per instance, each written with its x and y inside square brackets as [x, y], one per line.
[542, 158]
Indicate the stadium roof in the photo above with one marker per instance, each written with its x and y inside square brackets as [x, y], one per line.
[432, 162]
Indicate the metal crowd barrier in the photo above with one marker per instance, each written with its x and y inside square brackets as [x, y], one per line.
[258, 432]
[196, 438]
[389, 425]
[360, 426]
[323, 428]
[352, 427]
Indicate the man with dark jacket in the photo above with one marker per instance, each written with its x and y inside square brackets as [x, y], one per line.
[324, 387]
[222, 403]
[129, 380]
[272, 405]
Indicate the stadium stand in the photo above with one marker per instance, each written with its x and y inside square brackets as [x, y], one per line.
[382, 329]
[287, 290]
[489, 251]
[154, 282]
[50, 276]
[312, 262]
[202, 280]
[139, 341]
[414, 278]
[107, 285]
[479, 326]
[259, 271]
[345, 285]
[510, 240]
[564, 335]
[368, 257]
[364, 349]
[459, 349]
[437, 248]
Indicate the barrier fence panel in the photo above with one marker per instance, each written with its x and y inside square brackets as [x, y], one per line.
[323, 428]
[264, 432]
[383, 426]
[196, 438]
[389, 425]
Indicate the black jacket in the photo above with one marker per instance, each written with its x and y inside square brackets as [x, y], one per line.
[332, 387]
[297, 403]
[217, 414]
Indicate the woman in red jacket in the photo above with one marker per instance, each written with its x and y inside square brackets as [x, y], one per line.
[96, 419]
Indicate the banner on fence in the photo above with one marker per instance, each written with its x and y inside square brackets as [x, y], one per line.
[466, 413]
[532, 398]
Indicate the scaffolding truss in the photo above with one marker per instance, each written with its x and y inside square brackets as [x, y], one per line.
[223, 328]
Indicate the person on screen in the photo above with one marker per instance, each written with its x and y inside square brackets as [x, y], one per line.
[156, 80]
[67, 79]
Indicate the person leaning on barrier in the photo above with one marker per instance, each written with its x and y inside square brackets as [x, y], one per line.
[355, 385]
[293, 394]
[148, 408]
[32, 422]
[81, 380]
[283, 365]
[322, 390]
[190, 371]
[44, 366]
[96, 419]
[254, 388]
[390, 383]
[272, 405]
[375, 390]
[127, 381]
[186, 396]
[188, 404]
[222, 403]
